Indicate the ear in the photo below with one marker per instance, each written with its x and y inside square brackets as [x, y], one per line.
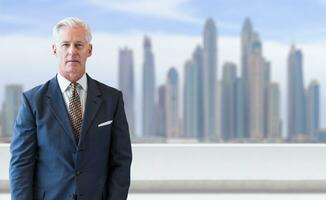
[54, 49]
[90, 50]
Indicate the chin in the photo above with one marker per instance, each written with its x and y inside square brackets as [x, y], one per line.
[75, 76]
[74, 69]
[73, 72]
[73, 66]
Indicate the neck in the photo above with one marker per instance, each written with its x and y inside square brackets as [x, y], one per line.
[71, 77]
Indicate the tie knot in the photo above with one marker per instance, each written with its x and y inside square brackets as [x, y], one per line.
[74, 85]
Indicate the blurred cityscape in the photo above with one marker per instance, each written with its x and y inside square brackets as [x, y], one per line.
[238, 108]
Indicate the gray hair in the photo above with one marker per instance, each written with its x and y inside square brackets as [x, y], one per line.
[71, 22]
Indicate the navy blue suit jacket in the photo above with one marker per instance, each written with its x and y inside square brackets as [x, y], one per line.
[47, 163]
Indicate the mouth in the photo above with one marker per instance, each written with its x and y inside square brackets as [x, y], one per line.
[72, 61]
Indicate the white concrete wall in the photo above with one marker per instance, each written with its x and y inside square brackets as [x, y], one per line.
[219, 162]
[221, 167]
[229, 162]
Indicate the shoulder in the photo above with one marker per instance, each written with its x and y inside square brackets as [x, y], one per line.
[38, 91]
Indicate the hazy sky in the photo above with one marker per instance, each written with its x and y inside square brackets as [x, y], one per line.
[285, 20]
[175, 27]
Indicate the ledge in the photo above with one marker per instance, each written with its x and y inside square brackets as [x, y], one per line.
[219, 186]
[229, 186]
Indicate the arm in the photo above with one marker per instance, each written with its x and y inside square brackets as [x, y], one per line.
[120, 156]
[23, 151]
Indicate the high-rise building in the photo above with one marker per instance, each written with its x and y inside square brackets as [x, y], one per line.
[313, 107]
[246, 46]
[161, 112]
[219, 111]
[126, 85]
[172, 104]
[148, 104]
[197, 59]
[209, 78]
[296, 97]
[273, 110]
[229, 101]
[256, 89]
[190, 105]
[10, 109]
[193, 106]
[240, 115]
[267, 76]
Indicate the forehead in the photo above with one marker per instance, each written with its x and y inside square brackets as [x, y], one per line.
[72, 34]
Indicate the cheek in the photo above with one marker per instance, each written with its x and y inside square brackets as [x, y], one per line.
[60, 55]
[85, 56]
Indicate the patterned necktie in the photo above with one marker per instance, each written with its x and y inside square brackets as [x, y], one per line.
[75, 111]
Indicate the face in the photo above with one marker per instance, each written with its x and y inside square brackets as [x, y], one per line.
[72, 51]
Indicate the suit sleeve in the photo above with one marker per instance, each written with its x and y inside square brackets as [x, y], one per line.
[120, 155]
[23, 151]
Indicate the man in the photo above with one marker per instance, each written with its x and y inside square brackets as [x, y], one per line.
[71, 137]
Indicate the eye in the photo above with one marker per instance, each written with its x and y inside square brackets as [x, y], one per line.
[65, 45]
[79, 46]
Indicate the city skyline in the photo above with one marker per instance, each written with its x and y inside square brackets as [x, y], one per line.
[162, 57]
[255, 60]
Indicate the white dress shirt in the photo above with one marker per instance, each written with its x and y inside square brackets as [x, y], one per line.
[66, 90]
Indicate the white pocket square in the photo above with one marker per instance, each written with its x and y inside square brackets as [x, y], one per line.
[105, 123]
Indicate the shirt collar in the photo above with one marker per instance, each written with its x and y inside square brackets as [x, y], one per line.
[64, 83]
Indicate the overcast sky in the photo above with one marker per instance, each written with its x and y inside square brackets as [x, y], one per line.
[286, 20]
[175, 27]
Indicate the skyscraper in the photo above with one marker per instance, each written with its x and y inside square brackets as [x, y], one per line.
[190, 105]
[267, 75]
[256, 89]
[246, 45]
[255, 76]
[219, 111]
[126, 85]
[313, 107]
[172, 104]
[10, 109]
[197, 59]
[161, 112]
[296, 98]
[273, 110]
[209, 78]
[193, 106]
[229, 100]
[148, 106]
[240, 115]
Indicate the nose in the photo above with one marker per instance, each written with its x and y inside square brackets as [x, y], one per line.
[72, 49]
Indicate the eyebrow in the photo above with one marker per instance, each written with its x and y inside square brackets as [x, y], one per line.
[74, 42]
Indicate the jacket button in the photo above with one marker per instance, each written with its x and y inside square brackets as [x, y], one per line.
[78, 173]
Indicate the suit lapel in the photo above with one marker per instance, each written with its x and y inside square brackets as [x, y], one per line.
[93, 103]
[58, 108]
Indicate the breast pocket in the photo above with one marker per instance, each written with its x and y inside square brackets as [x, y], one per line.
[105, 123]
[103, 132]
